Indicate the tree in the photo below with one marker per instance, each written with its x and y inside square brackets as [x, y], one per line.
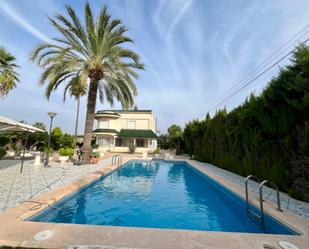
[76, 89]
[56, 138]
[8, 74]
[174, 131]
[40, 125]
[267, 136]
[90, 52]
[175, 138]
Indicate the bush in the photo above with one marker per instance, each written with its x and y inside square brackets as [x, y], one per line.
[66, 152]
[67, 141]
[132, 148]
[4, 140]
[268, 135]
[2, 152]
[50, 152]
[95, 146]
[96, 155]
[157, 151]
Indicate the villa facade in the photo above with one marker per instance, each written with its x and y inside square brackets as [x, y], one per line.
[118, 129]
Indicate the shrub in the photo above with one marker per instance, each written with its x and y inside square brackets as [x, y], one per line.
[157, 151]
[96, 155]
[95, 146]
[268, 135]
[2, 152]
[66, 152]
[132, 148]
[4, 140]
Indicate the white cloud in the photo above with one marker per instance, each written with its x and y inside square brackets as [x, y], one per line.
[11, 12]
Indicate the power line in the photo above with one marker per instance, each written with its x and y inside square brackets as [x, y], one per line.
[266, 61]
[256, 77]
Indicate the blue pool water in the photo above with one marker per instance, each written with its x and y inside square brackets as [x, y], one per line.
[158, 195]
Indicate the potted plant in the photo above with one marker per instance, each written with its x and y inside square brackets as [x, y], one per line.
[132, 148]
[65, 154]
[95, 157]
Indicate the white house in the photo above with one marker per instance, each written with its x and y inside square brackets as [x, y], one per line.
[117, 129]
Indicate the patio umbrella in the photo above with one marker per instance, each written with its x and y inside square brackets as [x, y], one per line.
[10, 125]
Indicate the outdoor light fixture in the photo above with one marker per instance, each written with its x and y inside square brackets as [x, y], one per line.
[51, 115]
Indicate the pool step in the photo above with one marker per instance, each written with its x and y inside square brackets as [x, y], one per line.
[256, 218]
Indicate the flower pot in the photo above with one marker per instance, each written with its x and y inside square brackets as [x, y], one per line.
[94, 160]
[63, 159]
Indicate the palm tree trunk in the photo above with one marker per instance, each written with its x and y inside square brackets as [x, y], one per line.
[77, 118]
[92, 98]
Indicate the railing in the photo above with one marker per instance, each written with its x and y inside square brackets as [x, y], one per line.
[261, 184]
[117, 159]
[246, 188]
[261, 197]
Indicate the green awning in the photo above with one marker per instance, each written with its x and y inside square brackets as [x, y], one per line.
[137, 133]
[105, 131]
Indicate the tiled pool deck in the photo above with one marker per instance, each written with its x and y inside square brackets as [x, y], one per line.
[16, 187]
[49, 185]
[287, 203]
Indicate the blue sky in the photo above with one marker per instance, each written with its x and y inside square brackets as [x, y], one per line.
[194, 50]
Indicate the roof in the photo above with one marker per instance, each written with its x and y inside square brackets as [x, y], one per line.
[105, 131]
[137, 133]
[123, 111]
[7, 124]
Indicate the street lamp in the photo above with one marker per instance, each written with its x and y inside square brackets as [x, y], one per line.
[51, 115]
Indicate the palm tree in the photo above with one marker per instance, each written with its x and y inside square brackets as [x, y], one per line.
[93, 52]
[76, 89]
[8, 75]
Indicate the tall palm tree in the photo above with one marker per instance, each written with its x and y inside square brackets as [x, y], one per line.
[8, 74]
[94, 52]
[76, 89]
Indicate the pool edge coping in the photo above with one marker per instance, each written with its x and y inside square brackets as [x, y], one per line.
[20, 213]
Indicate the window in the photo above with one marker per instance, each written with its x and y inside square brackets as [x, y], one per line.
[140, 143]
[104, 124]
[131, 124]
[103, 141]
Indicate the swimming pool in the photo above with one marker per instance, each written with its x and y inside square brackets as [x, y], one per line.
[158, 195]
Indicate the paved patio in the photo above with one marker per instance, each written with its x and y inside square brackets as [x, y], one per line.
[16, 187]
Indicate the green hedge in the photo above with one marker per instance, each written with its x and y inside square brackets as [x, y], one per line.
[267, 136]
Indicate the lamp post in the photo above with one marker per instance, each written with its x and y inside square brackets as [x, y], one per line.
[51, 115]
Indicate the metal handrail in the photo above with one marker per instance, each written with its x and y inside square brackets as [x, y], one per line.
[246, 187]
[261, 197]
[114, 158]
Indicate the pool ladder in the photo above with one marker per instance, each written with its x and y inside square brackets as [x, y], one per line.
[117, 159]
[261, 184]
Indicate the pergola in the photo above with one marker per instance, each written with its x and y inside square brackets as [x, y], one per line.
[10, 125]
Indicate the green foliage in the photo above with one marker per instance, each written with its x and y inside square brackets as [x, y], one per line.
[157, 151]
[175, 139]
[58, 139]
[40, 125]
[95, 146]
[132, 148]
[8, 74]
[67, 141]
[174, 131]
[2, 152]
[96, 154]
[66, 152]
[4, 140]
[91, 53]
[268, 135]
